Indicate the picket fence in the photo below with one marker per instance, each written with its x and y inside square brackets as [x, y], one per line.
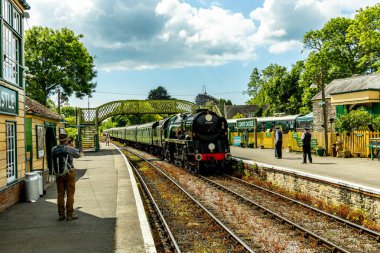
[356, 142]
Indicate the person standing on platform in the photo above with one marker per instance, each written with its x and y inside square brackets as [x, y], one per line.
[63, 168]
[278, 143]
[306, 147]
[107, 139]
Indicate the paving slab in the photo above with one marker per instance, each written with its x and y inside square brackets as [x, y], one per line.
[103, 193]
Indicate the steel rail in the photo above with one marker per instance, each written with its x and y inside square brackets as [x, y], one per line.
[333, 247]
[229, 231]
[362, 229]
[161, 217]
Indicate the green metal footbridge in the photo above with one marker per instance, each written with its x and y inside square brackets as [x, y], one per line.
[90, 118]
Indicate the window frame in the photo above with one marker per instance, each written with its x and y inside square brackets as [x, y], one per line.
[13, 178]
[17, 35]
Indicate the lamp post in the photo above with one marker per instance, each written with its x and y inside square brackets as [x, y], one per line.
[324, 111]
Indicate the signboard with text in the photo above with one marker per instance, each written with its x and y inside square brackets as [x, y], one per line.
[8, 101]
[237, 140]
[246, 124]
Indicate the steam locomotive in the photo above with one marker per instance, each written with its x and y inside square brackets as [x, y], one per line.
[198, 142]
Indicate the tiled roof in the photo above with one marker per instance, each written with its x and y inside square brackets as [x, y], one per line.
[34, 108]
[232, 110]
[351, 84]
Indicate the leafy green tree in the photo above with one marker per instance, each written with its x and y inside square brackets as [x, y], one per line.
[255, 84]
[332, 44]
[238, 116]
[106, 125]
[376, 123]
[51, 105]
[202, 98]
[276, 89]
[365, 31]
[160, 93]
[223, 101]
[57, 59]
[68, 111]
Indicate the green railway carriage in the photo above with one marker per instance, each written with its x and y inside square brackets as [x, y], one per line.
[130, 134]
[144, 133]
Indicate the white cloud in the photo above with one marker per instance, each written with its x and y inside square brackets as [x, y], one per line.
[282, 22]
[146, 34]
[285, 46]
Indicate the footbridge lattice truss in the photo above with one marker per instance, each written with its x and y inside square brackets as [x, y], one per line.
[95, 116]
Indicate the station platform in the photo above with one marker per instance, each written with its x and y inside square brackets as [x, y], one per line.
[362, 173]
[107, 201]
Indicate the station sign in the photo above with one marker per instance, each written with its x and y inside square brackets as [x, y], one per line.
[237, 140]
[8, 101]
[246, 124]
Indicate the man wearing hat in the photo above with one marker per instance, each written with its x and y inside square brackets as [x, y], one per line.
[63, 168]
[278, 143]
[306, 140]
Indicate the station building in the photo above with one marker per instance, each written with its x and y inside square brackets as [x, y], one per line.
[12, 101]
[42, 126]
[347, 94]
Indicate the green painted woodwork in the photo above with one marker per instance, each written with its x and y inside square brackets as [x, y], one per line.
[29, 142]
[376, 108]
[129, 107]
[340, 110]
[92, 117]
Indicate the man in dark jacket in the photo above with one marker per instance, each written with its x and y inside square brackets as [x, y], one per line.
[306, 140]
[278, 143]
[63, 168]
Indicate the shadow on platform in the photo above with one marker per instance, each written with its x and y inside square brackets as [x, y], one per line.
[34, 227]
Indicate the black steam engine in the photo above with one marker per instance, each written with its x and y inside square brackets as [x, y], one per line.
[197, 142]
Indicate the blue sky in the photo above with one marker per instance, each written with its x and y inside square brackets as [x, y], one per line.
[184, 45]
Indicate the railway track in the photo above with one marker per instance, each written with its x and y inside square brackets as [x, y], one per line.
[333, 232]
[321, 229]
[184, 223]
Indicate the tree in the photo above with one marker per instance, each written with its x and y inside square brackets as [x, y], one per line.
[332, 44]
[68, 111]
[202, 98]
[160, 93]
[276, 89]
[238, 116]
[223, 101]
[106, 125]
[57, 60]
[365, 31]
[255, 83]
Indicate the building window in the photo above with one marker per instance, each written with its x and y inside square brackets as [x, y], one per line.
[11, 151]
[7, 11]
[16, 21]
[11, 56]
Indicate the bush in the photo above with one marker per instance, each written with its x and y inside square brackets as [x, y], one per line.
[354, 120]
[376, 123]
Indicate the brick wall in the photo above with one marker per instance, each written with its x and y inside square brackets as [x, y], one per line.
[11, 195]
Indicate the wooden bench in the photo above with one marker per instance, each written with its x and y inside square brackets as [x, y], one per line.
[313, 143]
[374, 143]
